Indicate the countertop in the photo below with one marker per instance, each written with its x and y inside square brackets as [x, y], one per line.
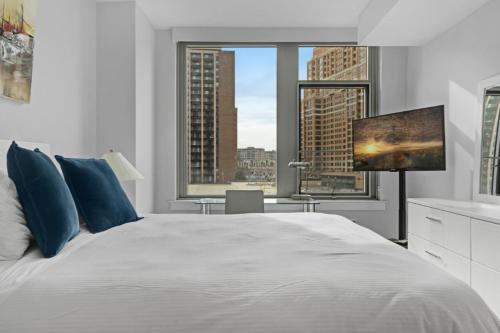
[477, 210]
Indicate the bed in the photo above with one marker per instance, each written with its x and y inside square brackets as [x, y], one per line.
[298, 272]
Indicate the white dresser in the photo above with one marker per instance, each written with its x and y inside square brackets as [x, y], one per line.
[461, 237]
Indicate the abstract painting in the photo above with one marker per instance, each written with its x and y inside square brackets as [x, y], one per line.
[17, 41]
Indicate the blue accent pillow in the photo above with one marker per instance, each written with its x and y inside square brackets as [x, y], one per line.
[50, 211]
[98, 195]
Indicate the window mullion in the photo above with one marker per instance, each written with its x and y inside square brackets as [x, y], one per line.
[287, 117]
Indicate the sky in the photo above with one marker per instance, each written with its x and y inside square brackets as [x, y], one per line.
[256, 94]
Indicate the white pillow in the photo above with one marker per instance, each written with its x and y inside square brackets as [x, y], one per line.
[14, 234]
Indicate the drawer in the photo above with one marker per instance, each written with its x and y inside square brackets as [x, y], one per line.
[449, 230]
[451, 262]
[486, 282]
[485, 243]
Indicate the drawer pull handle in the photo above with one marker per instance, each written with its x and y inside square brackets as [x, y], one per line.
[433, 219]
[433, 255]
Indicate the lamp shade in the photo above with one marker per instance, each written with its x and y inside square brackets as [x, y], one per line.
[122, 168]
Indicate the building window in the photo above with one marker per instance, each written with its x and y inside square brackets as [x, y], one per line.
[233, 124]
[230, 119]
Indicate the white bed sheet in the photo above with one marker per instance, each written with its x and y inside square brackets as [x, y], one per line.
[241, 273]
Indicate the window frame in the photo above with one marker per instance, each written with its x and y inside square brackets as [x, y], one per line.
[286, 179]
[182, 160]
[370, 181]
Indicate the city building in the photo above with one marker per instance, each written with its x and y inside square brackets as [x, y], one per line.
[256, 164]
[326, 116]
[212, 116]
[256, 154]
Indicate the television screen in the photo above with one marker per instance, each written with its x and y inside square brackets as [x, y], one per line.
[411, 140]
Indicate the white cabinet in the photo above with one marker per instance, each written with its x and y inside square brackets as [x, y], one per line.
[449, 230]
[486, 243]
[462, 238]
[455, 264]
[486, 282]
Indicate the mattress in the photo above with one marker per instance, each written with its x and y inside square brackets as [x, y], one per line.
[299, 272]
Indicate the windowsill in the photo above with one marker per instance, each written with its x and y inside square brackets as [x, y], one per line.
[340, 205]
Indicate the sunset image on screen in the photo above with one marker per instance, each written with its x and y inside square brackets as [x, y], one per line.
[403, 141]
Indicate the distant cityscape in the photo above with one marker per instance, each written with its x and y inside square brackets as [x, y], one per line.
[325, 114]
[256, 164]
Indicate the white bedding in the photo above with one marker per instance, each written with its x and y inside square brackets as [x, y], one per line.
[241, 273]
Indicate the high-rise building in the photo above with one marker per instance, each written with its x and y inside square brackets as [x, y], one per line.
[211, 117]
[327, 113]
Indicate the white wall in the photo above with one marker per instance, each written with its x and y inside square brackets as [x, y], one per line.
[62, 110]
[448, 71]
[145, 107]
[125, 92]
[392, 98]
[116, 82]
[165, 121]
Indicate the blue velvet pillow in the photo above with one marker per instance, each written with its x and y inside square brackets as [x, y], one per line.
[98, 195]
[47, 203]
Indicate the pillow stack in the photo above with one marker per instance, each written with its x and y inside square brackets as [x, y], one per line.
[52, 206]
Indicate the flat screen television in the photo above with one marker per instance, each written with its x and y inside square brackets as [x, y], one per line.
[404, 141]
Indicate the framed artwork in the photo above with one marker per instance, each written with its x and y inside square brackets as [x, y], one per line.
[17, 41]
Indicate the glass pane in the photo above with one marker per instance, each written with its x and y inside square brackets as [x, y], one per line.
[231, 120]
[326, 116]
[333, 63]
[490, 143]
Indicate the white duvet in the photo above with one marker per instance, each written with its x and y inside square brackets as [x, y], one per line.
[241, 273]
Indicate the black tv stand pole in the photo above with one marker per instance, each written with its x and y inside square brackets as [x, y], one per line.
[402, 205]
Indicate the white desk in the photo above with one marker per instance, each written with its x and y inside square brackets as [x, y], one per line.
[308, 206]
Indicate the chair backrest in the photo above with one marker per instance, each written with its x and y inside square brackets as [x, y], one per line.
[241, 202]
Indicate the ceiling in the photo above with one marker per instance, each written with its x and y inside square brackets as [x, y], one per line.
[411, 22]
[253, 13]
[378, 22]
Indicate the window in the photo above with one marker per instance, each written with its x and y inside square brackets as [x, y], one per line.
[334, 90]
[231, 118]
[489, 183]
[326, 115]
